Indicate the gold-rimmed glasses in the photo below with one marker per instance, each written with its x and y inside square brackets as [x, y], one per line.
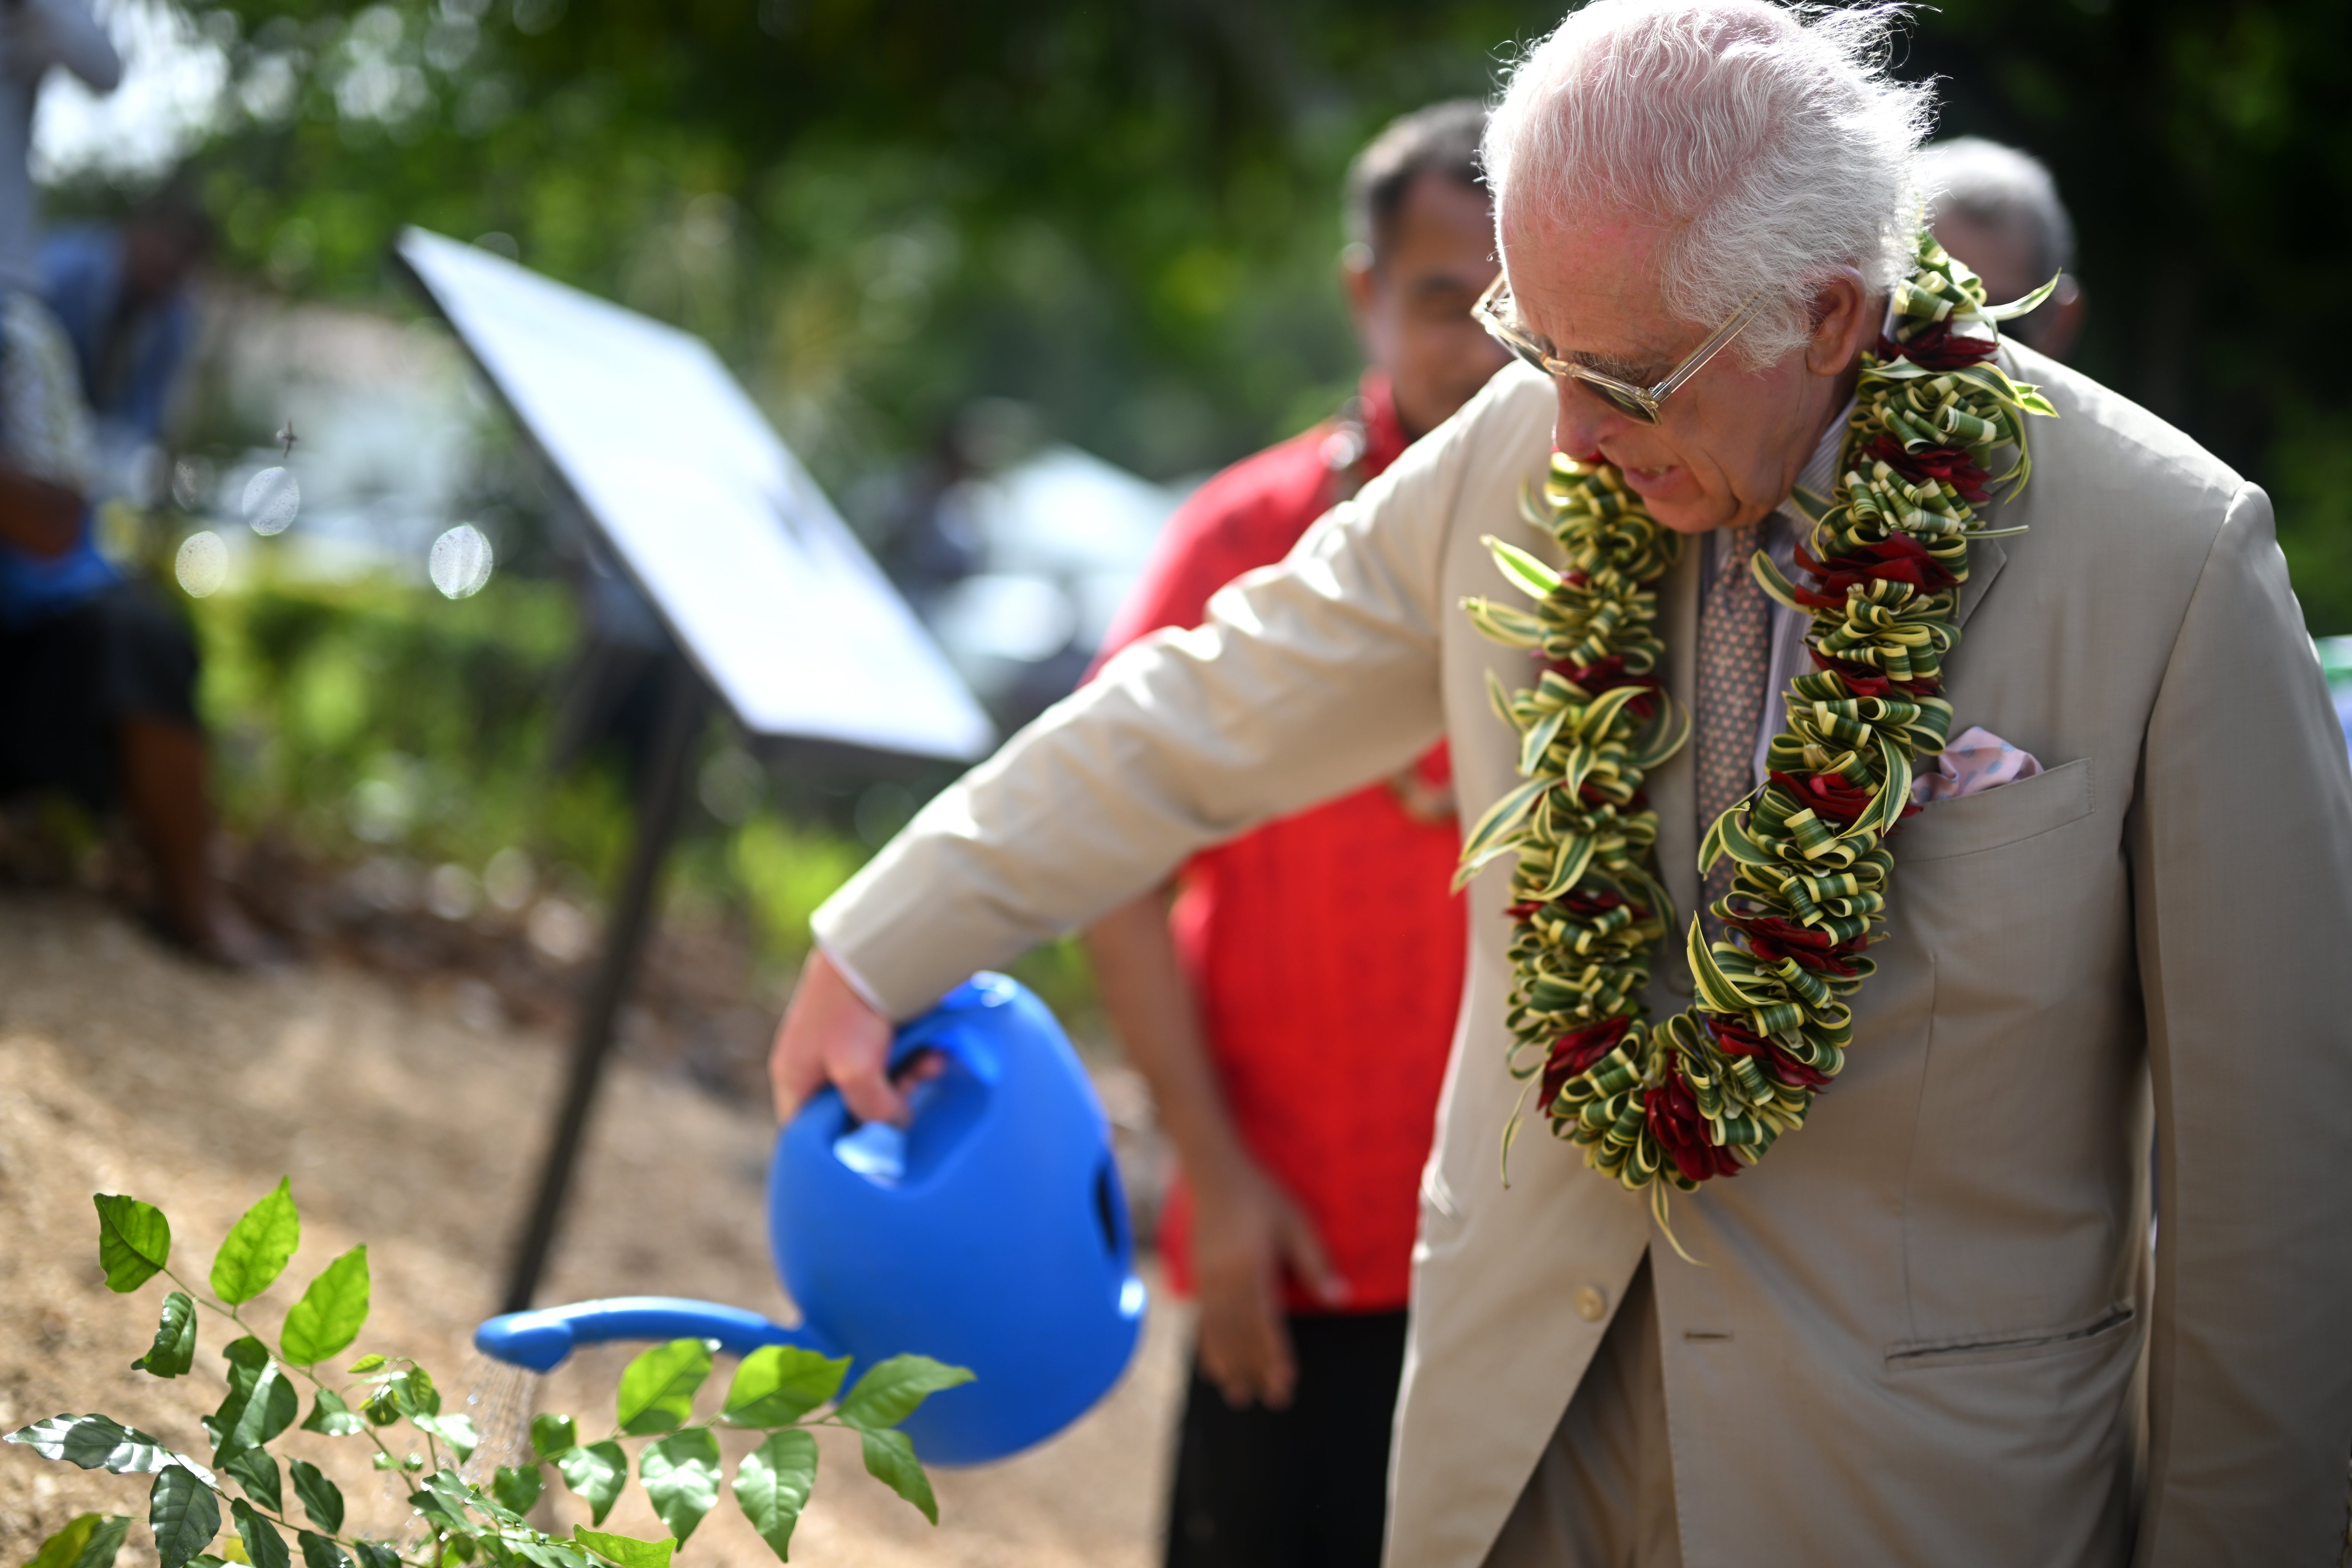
[1493, 311]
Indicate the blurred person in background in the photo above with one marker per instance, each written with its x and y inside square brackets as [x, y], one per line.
[97, 675]
[1329, 935]
[123, 295]
[1997, 210]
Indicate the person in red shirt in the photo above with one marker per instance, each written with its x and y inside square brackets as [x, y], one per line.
[1292, 1010]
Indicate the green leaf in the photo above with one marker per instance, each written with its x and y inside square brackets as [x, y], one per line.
[319, 1553]
[184, 1514]
[256, 1472]
[366, 1363]
[890, 1459]
[597, 1471]
[625, 1550]
[258, 1248]
[551, 1435]
[90, 1541]
[376, 1554]
[264, 1547]
[657, 1390]
[516, 1487]
[681, 1476]
[96, 1443]
[135, 1240]
[322, 1499]
[329, 1316]
[777, 1385]
[261, 1402]
[331, 1417]
[413, 1393]
[891, 1390]
[773, 1484]
[174, 1350]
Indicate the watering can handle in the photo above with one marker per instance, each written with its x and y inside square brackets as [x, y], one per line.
[539, 1340]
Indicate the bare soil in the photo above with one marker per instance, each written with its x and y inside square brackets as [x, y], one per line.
[409, 1122]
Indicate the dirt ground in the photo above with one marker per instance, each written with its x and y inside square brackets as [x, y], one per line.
[406, 1123]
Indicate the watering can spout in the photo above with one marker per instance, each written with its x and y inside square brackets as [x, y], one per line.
[540, 1339]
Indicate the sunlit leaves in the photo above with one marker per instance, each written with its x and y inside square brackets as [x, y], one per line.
[625, 1550]
[891, 1390]
[135, 1240]
[90, 1541]
[777, 1385]
[322, 1499]
[516, 1487]
[184, 1514]
[174, 1350]
[257, 1246]
[457, 1431]
[656, 1392]
[772, 1485]
[681, 1476]
[330, 1314]
[597, 1471]
[95, 1443]
[890, 1459]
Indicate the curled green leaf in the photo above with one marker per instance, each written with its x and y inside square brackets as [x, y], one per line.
[457, 1431]
[257, 1246]
[98, 1443]
[517, 1488]
[261, 1402]
[174, 1350]
[331, 1417]
[552, 1435]
[135, 1240]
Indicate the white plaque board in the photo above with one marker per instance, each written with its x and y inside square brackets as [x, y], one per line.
[756, 575]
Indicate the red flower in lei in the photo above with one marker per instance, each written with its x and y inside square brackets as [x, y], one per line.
[1936, 347]
[1576, 1051]
[1948, 463]
[1681, 1132]
[1736, 1039]
[1772, 938]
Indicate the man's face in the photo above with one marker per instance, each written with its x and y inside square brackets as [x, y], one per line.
[1413, 305]
[1729, 442]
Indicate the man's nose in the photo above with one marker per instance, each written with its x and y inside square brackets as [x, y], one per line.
[1582, 421]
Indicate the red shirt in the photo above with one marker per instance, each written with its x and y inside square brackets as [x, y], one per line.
[1326, 950]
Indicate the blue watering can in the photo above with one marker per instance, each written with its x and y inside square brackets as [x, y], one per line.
[992, 1234]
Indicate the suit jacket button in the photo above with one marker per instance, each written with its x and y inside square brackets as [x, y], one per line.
[1591, 1302]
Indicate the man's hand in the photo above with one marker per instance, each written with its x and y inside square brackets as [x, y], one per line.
[1246, 1231]
[830, 1036]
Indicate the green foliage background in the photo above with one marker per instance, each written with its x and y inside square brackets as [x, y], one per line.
[1122, 212]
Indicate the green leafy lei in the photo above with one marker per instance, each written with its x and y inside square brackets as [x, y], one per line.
[1709, 1090]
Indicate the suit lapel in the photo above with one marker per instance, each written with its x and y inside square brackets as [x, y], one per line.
[1985, 559]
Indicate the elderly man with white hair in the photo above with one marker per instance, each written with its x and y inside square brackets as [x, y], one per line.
[1832, 1257]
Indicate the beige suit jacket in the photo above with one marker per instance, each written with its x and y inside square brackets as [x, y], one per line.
[1927, 1328]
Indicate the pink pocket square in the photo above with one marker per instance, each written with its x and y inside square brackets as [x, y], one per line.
[1974, 761]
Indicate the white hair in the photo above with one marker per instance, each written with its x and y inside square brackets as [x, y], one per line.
[2004, 188]
[1768, 140]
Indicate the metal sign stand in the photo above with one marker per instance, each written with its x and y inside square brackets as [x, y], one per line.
[684, 699]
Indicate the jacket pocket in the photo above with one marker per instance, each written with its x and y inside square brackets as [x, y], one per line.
[1995, 818]
[2082, 1334]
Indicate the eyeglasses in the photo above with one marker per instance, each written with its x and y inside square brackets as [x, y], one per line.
[1493, 311]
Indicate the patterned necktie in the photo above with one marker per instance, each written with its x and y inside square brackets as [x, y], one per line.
[1735, 657]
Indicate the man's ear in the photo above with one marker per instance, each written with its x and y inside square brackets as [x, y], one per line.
[1844, 322]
